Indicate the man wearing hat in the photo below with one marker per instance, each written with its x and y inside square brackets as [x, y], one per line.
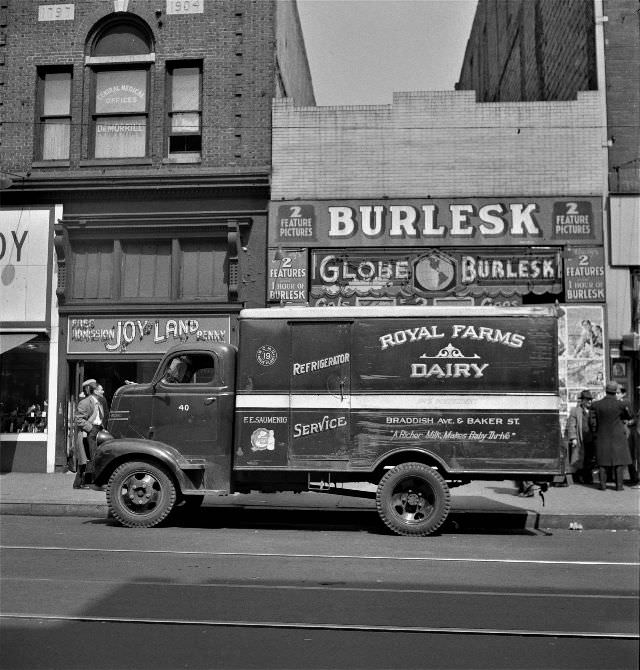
[607, 423]
[581, 450]
[89, 417]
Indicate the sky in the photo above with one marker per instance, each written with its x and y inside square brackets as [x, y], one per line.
[361, 51]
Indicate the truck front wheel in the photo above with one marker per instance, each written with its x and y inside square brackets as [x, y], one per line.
[140, 494]
[413, 499]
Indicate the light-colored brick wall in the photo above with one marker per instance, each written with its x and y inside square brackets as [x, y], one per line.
[438, 144]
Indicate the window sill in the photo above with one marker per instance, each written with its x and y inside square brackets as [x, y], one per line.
[187, 158]
[116, 162]
[50, 164]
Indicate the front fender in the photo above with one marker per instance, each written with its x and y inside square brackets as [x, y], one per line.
[110, 453]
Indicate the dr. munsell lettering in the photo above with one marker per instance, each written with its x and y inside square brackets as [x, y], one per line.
[459, 220]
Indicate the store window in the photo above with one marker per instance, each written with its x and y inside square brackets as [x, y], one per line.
[120, 57]
[185, 112]
[92, 270]
[54, 104]
[168, 268]
[24, 383]
[146, 269]
[203, 265]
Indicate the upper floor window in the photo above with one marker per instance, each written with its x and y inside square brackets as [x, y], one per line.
[120, 56]
[185, 111]
[54, 104]
[120, 113]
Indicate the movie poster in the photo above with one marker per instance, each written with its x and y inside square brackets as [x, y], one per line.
[581, 353]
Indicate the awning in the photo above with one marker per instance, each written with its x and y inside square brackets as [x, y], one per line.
[10, 341]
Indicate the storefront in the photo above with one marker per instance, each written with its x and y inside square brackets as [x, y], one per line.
[473, 251]
[125, 348]
[28, 341]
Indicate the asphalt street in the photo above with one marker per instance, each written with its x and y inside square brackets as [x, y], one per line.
[79, 593]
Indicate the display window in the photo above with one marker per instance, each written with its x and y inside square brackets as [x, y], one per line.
[24, 386]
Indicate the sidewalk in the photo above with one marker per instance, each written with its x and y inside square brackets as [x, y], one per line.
[479, 505]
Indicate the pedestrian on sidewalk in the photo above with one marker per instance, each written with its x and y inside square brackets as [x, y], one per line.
[607, 418]
[103, 402]
[89, 418]
[634, 449]
[581, 456]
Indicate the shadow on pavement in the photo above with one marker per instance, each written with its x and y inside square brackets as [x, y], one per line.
[504, 520]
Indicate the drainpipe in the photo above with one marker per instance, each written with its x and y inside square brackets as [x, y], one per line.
[600, 20]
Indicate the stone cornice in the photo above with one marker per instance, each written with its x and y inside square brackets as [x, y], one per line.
[42, 181]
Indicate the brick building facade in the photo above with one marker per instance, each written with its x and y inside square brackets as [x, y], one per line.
[551, 50]
[143, 129]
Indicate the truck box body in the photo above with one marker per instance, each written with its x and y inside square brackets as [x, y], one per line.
[342, 388]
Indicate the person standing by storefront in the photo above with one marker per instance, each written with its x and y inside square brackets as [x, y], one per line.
[607, 419]
[103, 403]
[634, 448]
[581, 456]
[89, 418]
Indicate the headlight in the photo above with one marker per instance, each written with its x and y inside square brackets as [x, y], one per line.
[103, 436]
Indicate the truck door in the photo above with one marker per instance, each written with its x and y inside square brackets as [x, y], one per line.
[192, 405]
[320, 392]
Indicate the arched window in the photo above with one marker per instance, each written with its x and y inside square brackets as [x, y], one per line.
[120, 53]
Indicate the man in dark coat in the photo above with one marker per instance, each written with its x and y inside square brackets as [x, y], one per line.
[607, 423]
[581, 456]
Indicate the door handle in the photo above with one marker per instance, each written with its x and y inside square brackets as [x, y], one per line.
[342, 389]
[209, 400]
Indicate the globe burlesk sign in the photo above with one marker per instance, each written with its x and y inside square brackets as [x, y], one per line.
[434, 272]
[436, 222]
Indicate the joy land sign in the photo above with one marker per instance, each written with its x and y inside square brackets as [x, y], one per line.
[142, 335]
[472, 221]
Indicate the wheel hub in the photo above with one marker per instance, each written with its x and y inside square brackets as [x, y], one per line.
[140, 492]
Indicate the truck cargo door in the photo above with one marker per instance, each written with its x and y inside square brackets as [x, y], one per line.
[320, 392]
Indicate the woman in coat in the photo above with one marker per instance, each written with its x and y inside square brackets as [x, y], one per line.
[608, 417]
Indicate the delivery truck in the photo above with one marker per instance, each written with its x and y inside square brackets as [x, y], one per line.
[412, 400]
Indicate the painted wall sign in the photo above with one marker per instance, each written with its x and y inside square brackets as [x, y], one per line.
[24, 255]
[147, 335]
[409, 277]
[288, 276]
[584, 274]
[442, 222]
[573, 219]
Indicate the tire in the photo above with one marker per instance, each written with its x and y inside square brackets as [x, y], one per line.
[140, 494]
[413, 499]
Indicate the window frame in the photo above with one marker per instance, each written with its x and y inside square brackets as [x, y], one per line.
[182, 156]
[140, 57]
[117, 253]
[95, 117]
[42, 118]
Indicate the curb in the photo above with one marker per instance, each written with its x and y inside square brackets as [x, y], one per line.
[457, 520]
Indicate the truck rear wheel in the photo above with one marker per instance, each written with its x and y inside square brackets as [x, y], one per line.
[140, 494]
[413, 499]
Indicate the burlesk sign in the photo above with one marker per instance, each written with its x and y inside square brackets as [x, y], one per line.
[142, 335]
[441, 222]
